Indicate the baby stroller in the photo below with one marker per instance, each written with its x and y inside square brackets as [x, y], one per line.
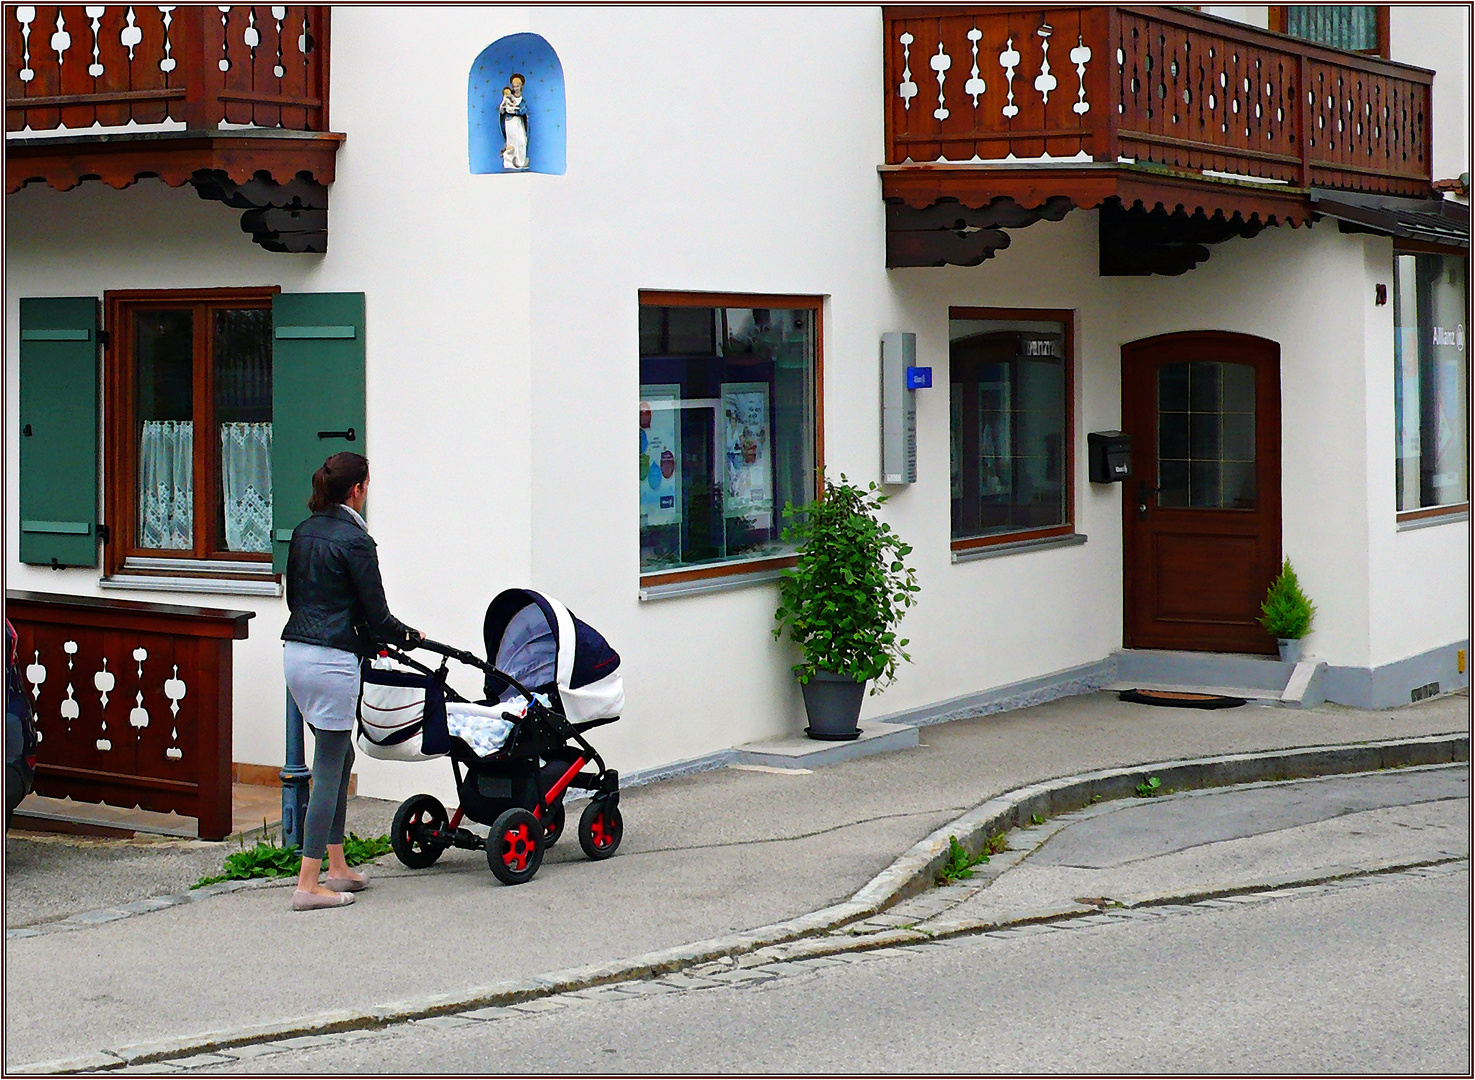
[550, 679]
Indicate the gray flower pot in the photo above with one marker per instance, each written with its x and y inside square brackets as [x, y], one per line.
[833, 705]
[1290, 649]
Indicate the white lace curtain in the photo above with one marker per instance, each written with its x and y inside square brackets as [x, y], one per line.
[245, 484]
[166, 485]
[166, 497]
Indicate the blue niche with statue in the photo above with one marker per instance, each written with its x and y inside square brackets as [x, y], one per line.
[515, 108]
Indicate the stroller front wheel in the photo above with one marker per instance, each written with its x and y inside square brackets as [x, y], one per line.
[417, 819]
[515, 846]
[600, 829]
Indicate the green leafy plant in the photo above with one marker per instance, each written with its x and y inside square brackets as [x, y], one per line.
[849, 588]
[1149, 787]
[269, 860]
[1286, 611]
[996, 843]
[959, 863]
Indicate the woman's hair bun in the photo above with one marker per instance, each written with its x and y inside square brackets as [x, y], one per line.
[339, 475]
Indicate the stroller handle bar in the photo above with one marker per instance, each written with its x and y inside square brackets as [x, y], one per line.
[472, 660]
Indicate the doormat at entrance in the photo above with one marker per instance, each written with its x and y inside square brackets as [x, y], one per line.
[1178, 699]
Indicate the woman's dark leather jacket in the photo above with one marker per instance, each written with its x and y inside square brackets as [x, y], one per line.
[333, 588]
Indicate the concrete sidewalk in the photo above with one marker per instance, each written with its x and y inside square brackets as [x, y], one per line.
[703, 856]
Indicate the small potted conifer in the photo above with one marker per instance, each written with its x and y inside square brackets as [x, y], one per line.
[1287, 613]
[842, 603]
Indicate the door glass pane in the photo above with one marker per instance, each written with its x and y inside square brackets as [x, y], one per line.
[1206, 435]
[164, 407]
[242, 376]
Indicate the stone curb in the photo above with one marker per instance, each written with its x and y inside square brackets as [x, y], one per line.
[907, 876]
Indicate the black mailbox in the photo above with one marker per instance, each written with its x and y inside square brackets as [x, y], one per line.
[1109, 456]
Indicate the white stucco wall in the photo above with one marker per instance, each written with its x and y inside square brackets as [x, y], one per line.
[720, 150]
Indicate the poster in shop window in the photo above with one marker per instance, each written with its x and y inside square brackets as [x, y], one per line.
[660, 455]
[748, 485]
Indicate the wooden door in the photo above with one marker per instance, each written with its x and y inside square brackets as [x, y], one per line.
[1201, 513]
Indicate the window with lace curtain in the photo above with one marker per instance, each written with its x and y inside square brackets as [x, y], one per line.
[1360, 28]
[189, 431]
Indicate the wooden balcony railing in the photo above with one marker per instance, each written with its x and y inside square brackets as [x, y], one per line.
[133, 702]
[1154, 85]
[75, 67]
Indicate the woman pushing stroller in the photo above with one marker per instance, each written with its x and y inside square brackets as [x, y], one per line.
[338, 614]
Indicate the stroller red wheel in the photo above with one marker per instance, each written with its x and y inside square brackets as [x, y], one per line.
[553, 824]
[417, 819]
[600, 829]
[515, 846]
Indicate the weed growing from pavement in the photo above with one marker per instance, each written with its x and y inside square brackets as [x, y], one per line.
[1149, 787]
[959, 863]
[269, 860]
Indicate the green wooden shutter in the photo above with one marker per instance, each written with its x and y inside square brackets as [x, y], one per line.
[58, 430]
[317, 398]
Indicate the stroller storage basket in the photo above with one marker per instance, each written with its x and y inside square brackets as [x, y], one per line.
[402, 714]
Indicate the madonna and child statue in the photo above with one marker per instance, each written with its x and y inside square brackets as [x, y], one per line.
[512, 114]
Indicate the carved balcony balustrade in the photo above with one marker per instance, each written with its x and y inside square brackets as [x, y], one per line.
[132, 700]
[1169, 119]
[232, 100]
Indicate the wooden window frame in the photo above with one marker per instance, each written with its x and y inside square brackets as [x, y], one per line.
[1067, 317]
[659, 298]
[1421, 247]
[120, 454]
[1279, 20]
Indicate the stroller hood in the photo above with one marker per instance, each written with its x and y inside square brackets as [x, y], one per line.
[539, 642]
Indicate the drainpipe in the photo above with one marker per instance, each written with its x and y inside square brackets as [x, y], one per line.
[295, 775]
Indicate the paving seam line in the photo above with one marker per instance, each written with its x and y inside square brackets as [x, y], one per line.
[907, 876]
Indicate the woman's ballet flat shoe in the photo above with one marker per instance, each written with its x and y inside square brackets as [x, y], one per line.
[347, 884]
[311, 901]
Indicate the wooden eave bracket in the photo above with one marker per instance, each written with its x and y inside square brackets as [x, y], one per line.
[941, 215]
[279, 178]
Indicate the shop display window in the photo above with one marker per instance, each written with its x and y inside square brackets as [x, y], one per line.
[728, 428]
[1431, 380]
[1010, 428]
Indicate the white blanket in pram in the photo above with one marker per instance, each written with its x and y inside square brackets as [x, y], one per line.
[484, 728]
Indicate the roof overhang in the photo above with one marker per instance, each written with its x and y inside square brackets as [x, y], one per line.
[1431, 221]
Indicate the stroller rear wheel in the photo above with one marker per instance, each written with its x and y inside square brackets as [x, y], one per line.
[415, 821]
[553, 824]
[600, 829]
[515, 846]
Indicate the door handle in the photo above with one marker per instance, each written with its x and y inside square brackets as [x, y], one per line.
[350, 435]
[1143, 491]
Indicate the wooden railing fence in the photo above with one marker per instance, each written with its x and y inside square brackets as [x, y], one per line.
[133, 702]
[77, 66]
[1151, 84]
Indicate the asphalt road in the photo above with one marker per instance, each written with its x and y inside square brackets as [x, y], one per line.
[1371, 978]
[1366, 973]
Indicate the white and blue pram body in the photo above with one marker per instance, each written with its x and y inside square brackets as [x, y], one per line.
[549, 678]
[533, 638]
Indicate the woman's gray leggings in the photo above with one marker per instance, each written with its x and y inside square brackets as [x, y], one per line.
[332, 760]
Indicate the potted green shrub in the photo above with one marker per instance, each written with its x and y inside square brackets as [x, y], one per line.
[842, 603]
[1287, 613]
